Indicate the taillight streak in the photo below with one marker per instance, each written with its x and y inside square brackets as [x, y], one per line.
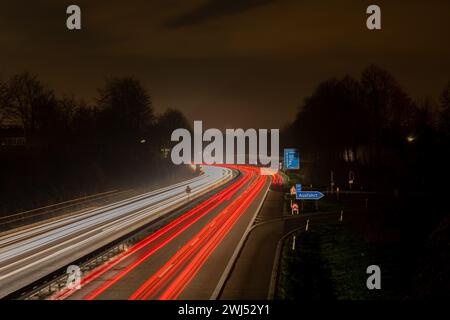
[223, 223]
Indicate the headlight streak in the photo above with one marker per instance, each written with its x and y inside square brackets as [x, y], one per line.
[43, 246]
[207, 206]
[194, 254]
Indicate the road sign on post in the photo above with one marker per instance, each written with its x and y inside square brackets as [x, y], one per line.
[294, 208]
[293, 191]
[298, 190]
[309, 195]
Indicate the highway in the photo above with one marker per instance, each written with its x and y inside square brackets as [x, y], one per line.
[32, 253]
[187, 258]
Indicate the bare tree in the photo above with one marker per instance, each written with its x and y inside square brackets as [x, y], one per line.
[127, 110]
[5, 110]
[167, 122]
[31, 103]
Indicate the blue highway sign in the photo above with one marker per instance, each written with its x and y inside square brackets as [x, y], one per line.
[291, 159]
[298, 190]
[309, 195]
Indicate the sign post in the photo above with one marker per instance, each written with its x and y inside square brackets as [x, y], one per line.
[307, 195]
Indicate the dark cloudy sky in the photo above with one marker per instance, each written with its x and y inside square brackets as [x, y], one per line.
[231, 63]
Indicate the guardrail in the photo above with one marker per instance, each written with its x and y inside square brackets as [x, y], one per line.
[57, 281]
[50, 211]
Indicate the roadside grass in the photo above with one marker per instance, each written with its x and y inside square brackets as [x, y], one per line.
[330, 262]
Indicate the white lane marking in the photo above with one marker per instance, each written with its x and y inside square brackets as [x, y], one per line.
[125, 224]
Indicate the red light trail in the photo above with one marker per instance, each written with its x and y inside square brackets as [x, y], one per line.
[171, 279]
[193, 255]
[163, 236]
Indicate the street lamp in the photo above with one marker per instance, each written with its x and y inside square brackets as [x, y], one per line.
[410, 139]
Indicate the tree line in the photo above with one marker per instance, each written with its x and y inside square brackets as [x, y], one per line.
[394, 145]
[73, 147]
[372, 127]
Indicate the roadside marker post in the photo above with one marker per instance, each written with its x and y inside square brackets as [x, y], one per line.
[293, 244]
[342, 216]
[307, 225]
[188, 192]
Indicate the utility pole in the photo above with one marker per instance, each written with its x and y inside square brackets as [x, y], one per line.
[332, 181]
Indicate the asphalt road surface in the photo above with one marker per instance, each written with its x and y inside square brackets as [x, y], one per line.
[252, 274]
[187, 258]
[32, 253]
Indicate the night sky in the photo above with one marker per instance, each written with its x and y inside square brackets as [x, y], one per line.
[230, 63]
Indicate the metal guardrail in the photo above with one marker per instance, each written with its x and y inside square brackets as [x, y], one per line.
[57, 281]
[20, 219]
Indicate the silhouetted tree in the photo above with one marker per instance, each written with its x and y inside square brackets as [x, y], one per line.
[389, 107]
[332, 119]
[167, 122]
[78, 148]
[34, 106]
[126, 111]
[84, 124]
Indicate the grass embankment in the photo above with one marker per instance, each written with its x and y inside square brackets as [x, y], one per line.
[330, 262]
